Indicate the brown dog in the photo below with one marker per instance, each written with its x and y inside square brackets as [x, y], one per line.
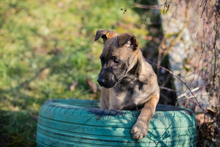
[128, 81]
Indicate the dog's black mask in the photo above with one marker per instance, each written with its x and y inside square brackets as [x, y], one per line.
[112, 72]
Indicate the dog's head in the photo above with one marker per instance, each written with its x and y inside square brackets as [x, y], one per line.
[118, 56]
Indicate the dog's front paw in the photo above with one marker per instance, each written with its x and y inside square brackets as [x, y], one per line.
[139, 130]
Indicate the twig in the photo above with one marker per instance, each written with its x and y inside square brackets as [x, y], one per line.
[166, 80]
[177, 78]
[215, 53]
[201, 16]
[199, 95]
[207, 50]
[168, 89]
[196, 103]
[160, 50]
[185, 94]
[200, 56]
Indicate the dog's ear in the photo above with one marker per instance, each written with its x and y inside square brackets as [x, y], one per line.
[105, 34]
[128, 38]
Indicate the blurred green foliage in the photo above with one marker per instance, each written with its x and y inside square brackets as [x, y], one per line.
[45, 46]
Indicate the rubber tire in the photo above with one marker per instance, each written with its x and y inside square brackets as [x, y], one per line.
[73, 122]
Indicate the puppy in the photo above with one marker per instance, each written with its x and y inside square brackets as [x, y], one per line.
[128, 81]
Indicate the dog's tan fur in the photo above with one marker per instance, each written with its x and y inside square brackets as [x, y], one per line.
[132, 80]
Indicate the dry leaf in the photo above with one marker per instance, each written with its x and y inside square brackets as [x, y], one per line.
[73, 86]
[148, 38]
[211, 112]
[92, 85]
[44, 73]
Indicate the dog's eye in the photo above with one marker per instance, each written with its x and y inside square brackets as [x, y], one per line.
[115, 60]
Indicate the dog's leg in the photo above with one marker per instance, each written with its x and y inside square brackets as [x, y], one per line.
[139, 130]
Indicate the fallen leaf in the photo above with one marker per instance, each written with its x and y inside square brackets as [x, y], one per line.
[73, 86]
[44, 73]
[211, 112]
[148, 38]
[200, 119]
[92, 85]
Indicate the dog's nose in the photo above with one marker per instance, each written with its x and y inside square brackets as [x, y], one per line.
[101, 81]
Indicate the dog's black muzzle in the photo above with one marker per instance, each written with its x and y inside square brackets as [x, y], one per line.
[106, 78]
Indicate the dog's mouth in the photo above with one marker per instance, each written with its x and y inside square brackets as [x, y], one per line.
[107, 86]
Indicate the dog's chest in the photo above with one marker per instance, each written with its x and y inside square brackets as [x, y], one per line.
[130, 92]
[130, 85]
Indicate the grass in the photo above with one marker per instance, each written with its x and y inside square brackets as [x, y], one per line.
[45, 46]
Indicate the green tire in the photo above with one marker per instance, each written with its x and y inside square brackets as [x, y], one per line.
[78, 123]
